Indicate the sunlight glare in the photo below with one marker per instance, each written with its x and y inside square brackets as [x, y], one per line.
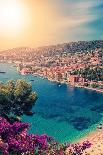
[11, 16]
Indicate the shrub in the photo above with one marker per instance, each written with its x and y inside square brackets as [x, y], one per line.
[15, 140]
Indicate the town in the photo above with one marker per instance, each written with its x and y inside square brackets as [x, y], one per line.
[78, 64]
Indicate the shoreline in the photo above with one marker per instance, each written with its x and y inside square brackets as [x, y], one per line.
[64, 82]
[95, 137]
[75, 86]
[78, 86]
[90, 88]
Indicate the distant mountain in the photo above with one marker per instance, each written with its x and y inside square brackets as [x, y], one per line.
[72, 47]
[19, 50]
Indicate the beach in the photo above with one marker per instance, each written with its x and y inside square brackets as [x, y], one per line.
[96, 139]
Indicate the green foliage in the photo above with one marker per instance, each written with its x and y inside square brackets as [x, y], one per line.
[91, 73]
[94, 85]
[101, 86]
[16, 98]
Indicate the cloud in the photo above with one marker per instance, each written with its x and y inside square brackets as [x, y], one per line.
[78, 17]
[79, 13]
[58, 21]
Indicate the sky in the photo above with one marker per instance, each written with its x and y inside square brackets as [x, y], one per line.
[36, 23]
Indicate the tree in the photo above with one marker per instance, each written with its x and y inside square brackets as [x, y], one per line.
[91, 73]
[16, 98]
[94, 85]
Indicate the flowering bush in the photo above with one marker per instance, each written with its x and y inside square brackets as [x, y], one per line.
[78, 149]
[15, 140]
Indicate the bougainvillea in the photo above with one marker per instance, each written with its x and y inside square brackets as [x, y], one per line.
[15, 140]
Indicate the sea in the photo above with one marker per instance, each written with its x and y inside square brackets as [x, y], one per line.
[66, 113]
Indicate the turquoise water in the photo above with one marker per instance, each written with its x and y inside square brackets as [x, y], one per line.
[64, 112]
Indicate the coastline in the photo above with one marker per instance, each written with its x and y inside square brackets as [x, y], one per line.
[64, 82]
[78, 86]
[95, 137]
[90, 88]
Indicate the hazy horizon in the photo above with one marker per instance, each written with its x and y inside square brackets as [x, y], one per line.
[32, 23]
[1, 50]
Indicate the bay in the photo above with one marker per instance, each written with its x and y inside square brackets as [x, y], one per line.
[63, 112]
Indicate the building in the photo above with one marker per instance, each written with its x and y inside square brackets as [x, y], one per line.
[76, 79]
[25, 71]
[72, 79]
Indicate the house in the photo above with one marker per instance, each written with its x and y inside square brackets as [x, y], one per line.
[25, 71]
[72, 79]
[76, 79]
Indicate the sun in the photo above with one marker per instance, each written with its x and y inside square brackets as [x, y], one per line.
[11, 16]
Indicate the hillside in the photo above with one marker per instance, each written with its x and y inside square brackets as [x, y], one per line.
[71, 47]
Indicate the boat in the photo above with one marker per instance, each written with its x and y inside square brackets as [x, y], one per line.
[59, 85]
[2, 72]
[14, 66]
[35, 75]
[31, 80]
